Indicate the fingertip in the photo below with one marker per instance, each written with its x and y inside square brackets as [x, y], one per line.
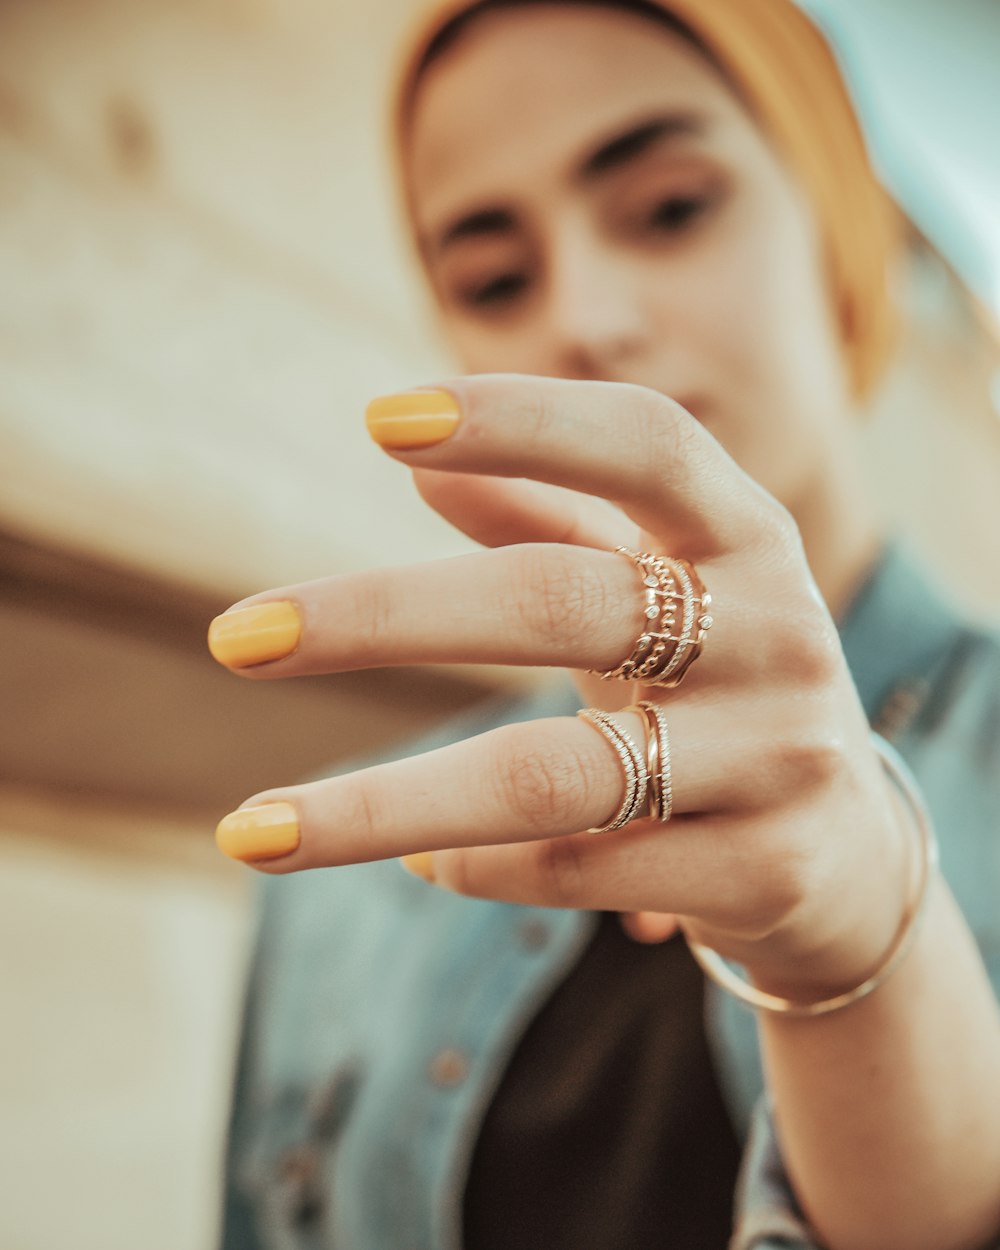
[264, 831]
[649, 927]
[421, 864]
[257, 634]
[410, 420]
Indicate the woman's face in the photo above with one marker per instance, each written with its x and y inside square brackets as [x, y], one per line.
[594, 201]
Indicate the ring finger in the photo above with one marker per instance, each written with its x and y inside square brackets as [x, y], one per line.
[519, 783]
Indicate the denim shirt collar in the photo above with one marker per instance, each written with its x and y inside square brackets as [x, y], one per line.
[895, 628]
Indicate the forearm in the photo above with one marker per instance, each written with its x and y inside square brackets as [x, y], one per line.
[889, 1110]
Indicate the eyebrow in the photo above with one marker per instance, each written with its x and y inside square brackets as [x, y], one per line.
[489, 221]
[622, 149]
[613, 153]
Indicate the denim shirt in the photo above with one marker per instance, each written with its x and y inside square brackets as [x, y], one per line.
[382, 1012]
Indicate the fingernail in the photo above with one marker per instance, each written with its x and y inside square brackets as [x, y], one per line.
[254, 635]
[420, 863]
[412, 419]
[268, 831]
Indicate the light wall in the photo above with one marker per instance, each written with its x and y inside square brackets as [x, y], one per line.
[204, 282]
[202, 288]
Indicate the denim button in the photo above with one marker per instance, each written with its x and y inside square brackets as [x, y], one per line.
[448, 1067]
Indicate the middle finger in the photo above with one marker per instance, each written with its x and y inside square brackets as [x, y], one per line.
[532, 604]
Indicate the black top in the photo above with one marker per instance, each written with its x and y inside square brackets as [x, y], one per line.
[609, 1130]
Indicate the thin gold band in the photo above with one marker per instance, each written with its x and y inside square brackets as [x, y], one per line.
[658, 765]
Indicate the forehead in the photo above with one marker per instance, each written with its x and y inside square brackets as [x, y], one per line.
[525, 93]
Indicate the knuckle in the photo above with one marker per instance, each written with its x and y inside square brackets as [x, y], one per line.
[562, 601]
[775, 540]
[779, 525]
[775, 531]
[365, 813]
[373, 603]
[809, 762]
[801, 639]
[649, 406]
[540, 787]
[802, 643]
[666, 435]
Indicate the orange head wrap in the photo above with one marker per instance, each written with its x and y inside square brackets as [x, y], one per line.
[781, 65]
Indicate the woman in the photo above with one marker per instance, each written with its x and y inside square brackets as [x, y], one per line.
[616, 203]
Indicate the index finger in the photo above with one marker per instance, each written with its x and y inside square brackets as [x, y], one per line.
[620, 442]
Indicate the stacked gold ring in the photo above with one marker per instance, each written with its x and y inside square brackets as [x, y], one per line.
[667, 646]
[634, 766]
[658, 766]
[646, 769]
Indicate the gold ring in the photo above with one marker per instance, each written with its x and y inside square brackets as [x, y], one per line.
[661, 787]
[634, 768]
[676, 613]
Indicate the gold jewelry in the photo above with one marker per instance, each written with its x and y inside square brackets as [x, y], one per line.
[661, 657]
[661, 791]
[719, 971]
[661, 596]
[633, 763]
[695, 624]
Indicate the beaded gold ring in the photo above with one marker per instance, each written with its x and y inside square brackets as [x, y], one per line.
[676, 614]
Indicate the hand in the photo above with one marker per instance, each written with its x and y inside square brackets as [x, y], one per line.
[784, 851]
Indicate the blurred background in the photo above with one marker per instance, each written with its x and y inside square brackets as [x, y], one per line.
[202, 282]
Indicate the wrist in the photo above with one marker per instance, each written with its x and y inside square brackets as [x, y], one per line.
[827, 957]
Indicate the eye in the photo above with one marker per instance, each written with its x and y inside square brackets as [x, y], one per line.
[500, 290]
[677, 212]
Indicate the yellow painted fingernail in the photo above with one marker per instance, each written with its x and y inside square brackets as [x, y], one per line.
[420, 863]
[268, 831]
[254, 635]
[412, 419]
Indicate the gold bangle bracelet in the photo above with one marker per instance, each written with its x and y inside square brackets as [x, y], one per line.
[716, 968]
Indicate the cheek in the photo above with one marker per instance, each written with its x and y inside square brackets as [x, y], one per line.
[757, 316]
[762, 298]
[792, 316]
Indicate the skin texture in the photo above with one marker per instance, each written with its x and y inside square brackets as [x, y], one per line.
[788, 850]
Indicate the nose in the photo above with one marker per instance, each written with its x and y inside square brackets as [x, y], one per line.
[594, 315]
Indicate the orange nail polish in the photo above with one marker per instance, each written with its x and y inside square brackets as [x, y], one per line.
[268, 831]
[255, 634]
[420, 863]
[412, 419]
